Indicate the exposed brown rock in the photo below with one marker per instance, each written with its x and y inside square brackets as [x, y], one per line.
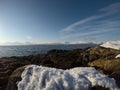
[106, 65]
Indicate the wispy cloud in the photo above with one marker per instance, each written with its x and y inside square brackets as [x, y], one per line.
[72, 26]
[106, 21]
[89, 33]
[115, 7]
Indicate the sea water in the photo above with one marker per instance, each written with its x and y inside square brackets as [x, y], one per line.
[8, 51]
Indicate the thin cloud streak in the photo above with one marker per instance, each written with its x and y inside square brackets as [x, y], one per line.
[72, 26]
[111, 9]
[89, 33]
[105, 25]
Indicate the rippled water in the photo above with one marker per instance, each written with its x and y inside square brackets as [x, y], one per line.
[8, 51]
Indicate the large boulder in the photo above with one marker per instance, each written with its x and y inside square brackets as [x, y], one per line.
[14, 78]
[7, 66]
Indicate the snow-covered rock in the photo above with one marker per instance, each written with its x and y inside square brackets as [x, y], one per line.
[81, 78]
[118, 56]
[112, 44]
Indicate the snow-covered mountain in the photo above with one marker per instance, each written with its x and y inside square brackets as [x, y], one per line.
[112, 44]
[81, 78]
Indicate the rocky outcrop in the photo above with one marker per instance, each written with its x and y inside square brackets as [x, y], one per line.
[7, 66]
[101, 58]
[14, 78]
[106, 65]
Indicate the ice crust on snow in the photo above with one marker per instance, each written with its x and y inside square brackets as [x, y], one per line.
[82, 78]
[112, 44]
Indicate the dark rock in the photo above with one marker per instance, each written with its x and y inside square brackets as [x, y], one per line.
[14, 78]
[99, 88]
[116, 76]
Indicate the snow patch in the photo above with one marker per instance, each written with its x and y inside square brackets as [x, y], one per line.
[82, 78]
[118, 56]
[112, 44]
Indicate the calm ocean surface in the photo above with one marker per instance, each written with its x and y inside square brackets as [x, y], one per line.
[8, 51]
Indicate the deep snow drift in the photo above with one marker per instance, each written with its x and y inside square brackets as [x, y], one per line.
[82, 78]
[112, 44]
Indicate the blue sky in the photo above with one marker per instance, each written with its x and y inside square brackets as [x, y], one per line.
[59, 21]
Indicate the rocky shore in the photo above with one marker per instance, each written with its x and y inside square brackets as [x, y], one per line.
[103, 59]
